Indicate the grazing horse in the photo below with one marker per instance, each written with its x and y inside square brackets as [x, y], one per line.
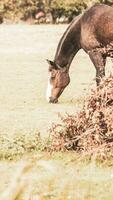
[91, 31]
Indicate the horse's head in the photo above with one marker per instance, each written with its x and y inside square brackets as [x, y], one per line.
[58, 79]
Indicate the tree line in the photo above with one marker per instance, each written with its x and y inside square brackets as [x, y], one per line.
[16, 10]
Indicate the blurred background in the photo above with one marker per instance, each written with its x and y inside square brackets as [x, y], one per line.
[43, 11]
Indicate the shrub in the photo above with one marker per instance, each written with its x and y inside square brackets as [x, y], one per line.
[91, 130]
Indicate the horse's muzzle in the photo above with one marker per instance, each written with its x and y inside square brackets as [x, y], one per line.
[53, 100]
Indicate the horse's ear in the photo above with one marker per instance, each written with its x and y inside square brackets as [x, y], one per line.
[53, 64]
[50, 62]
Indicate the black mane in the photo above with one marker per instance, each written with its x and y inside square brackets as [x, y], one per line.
[66, 44]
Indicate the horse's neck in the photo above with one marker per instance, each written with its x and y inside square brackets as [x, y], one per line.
[68, 45]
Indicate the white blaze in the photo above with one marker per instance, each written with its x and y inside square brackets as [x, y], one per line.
[49, 89]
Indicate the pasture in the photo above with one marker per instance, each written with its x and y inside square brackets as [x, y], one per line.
[24, 109]
[24, 76]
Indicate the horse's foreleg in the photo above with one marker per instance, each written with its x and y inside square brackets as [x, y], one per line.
[99, 61]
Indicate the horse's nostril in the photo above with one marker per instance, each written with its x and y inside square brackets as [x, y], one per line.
[53, 100]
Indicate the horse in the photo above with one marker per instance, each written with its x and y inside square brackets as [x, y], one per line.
[91, 31]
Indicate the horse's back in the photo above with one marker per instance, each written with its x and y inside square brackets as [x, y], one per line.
[97, 26]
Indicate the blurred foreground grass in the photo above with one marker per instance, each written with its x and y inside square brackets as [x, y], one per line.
[60, 176]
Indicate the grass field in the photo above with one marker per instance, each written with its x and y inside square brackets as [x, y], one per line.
[23, 75]
[24, 109]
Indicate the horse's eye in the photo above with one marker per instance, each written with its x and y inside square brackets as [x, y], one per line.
[52, 77]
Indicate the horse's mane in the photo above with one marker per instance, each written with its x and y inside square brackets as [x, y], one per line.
[73, 22]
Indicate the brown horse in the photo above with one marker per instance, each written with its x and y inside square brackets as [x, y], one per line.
[93, 32]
